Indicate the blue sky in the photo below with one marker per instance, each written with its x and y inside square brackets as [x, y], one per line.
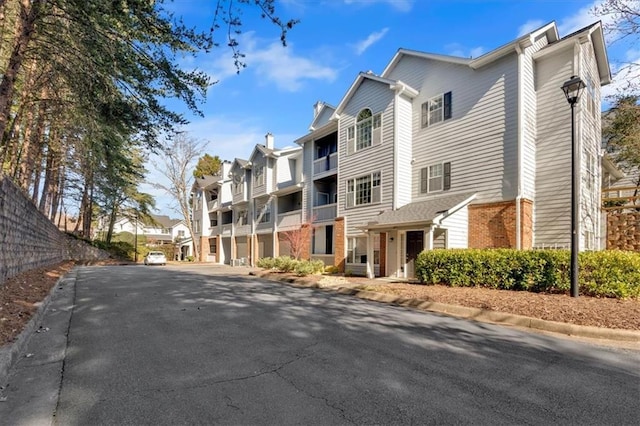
[334, 41]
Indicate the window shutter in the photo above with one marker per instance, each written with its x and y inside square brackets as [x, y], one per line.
[424, 175]
[376, 135]
[446, 183]
[351, 131]
[425, 114]
[447, 105]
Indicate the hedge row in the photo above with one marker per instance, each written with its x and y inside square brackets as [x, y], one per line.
[289, 264]
[601, 274]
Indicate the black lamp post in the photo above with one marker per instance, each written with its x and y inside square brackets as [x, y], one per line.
[572, 89]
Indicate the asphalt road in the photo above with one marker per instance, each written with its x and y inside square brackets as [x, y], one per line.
[195, 345]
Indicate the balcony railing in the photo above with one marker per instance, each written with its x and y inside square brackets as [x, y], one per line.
[243, 229]
[293, 218]
[325, 164]
[212, 205]
[326, 212]
[226, 229]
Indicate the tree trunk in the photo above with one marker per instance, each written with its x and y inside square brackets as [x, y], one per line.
[33, 148]
[29, 14]
[112, 222]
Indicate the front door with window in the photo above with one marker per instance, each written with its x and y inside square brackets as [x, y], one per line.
[415, 245]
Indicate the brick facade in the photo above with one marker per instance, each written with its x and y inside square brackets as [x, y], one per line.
[623, 231]
[383, 254]
[340, 242]
[204, 248]
[493, 225]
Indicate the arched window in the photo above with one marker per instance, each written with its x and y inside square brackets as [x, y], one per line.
[366, 131]
[364, 123]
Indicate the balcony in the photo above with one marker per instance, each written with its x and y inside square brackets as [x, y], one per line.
[289, 219]
[325, 164]
[226, 229]
[325, 212]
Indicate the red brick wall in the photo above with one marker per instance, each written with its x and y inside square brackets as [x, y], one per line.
[339, 249]
[204, 248]
[623, 231]
[383, 254]
[493, 225]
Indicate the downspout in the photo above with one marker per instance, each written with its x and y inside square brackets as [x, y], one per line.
[521, 118]
[398, 91]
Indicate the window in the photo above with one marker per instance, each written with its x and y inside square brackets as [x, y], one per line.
[357, 250]
[436, 109]
[322, 199]
[196, 225]
[366, 132]
[213, 247]
[213, 223]
[263, 214]
[258, 174]
[363, 190]
[241, 217]
[435, 178]
[237, 184]
[181, 233]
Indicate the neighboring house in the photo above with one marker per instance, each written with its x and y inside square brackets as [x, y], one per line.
[161, 231]
[448, 152]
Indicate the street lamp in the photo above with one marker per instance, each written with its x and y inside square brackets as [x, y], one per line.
[572, 89]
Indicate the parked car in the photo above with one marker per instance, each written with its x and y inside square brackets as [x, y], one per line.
[155, 258]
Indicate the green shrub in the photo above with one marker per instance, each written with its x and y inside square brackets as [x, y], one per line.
[331, 270]
[266, 263]
[603, 274]
[285, 263]
[304, 268]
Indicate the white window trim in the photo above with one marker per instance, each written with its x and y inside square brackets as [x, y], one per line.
[375, 137]
[376, 190]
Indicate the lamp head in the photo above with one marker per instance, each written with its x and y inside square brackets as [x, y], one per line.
[572, 89]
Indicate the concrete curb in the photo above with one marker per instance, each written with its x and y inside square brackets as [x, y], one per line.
[476, 314]
[10, 352]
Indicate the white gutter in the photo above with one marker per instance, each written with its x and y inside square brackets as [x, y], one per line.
[521, 118]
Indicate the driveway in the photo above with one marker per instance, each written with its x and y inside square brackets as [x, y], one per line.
[197, 345]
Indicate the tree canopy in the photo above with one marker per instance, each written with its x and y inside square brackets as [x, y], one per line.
[84, 82]
[207, 166]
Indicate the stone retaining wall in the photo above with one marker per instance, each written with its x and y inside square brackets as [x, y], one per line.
[29, 240]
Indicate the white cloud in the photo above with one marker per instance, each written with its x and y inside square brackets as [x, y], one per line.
[529, 26]
[457, 49]
[400, 5]
[374, 37]
[275, 63]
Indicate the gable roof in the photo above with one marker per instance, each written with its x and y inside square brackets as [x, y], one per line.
[421, 212]
[323, 116]
[393, 85]
[596, 34]
[550, 30]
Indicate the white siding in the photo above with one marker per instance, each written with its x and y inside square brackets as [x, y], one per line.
[285, 173]
[404, 151]
[529, 127]
[307, 193]
[480, 140]
[590, 130]
[379, 98]
[552, 204]
[457, 226]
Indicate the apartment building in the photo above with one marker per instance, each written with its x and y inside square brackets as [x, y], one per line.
[438, 152]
